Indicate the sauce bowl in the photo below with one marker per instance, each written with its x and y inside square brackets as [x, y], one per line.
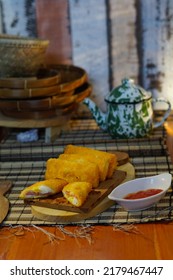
[161, 181]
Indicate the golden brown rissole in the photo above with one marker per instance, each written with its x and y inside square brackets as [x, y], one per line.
[77, 192]
[102, 164]
[43, 188]
[72, 171]
[95, 154]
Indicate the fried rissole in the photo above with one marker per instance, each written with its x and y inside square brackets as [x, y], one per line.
[103, 164]
[43, 188]
[97, 154]
[72, 171]
[77, 192]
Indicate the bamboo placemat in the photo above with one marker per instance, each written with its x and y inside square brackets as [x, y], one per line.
[24, 164]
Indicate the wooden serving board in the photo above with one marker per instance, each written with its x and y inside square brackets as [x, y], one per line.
[59, 202]
[66, 216]
[94, 198]
[122, 157]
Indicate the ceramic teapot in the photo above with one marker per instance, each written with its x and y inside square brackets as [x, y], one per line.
[129, 113]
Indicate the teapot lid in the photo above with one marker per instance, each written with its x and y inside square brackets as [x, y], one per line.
[127, 92]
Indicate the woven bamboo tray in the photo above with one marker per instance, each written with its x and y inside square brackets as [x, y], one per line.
[71, 76]
[47, 107]
[44, 78]
[59, 79]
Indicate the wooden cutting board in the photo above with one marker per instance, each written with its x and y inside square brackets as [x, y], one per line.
[65, 216]
[122, 157]
[59, 202]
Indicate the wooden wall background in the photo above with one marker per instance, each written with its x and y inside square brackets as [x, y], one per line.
[110, 39]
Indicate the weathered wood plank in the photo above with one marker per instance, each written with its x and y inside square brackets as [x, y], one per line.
[157, 46]
[90, 45]
[18, 17]
[53, 24]
[123, 41]
[102, 37]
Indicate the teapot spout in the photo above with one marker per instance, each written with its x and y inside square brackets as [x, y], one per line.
[98, 115]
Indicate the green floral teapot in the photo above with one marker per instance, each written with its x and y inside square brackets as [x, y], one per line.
[130, 111]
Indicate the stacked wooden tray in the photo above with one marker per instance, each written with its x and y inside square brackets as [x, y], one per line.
[55, 91]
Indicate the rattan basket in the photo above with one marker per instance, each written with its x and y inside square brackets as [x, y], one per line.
[20, 56]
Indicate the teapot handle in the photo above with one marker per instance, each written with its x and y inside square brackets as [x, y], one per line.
[166, 114]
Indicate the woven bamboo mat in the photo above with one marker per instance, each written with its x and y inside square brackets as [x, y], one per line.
[24, 164]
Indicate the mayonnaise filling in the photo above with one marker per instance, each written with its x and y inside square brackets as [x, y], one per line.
[45, 189]
[73, 200]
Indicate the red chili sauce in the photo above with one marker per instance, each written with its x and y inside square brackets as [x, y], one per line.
[142, 194]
